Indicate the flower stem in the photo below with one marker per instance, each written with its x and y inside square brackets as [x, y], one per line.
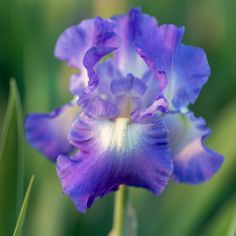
[120, 210]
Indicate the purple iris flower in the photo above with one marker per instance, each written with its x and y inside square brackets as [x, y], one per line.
[129, 121]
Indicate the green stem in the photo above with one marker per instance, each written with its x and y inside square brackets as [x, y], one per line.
[120, 208]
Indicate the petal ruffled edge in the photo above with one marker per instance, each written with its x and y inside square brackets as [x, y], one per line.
[114, 153]
[129, 27]
[193, 161]
[83, 45]
[186, 67]
[48, 132]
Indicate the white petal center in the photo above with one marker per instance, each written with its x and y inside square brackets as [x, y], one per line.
[119, 134]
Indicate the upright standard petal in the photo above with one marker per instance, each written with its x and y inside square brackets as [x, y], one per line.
[73, 43]
[48, 133]
[112, 153]
[193, 162]
[130, 27]
[105, 41]
[83, 45]
[186, 67]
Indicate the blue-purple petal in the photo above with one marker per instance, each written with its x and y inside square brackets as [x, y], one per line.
[72, 44]
[114, 93]
[190, 72]
[130, 27]
[100, 101]
[107, 71]
[159, 106]
[83, 45]
[105, 41]
[186, 67]
[128, 85]
[96, 106]
[193, 161]
[154, 87]
[157, 49]
[112, 153]
[48, 133]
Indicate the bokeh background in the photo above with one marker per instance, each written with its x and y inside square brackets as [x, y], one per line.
[28, 32]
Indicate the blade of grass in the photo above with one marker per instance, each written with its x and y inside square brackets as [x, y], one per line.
[20, 146]
[20, 221]
[11, 160]
[8, 118]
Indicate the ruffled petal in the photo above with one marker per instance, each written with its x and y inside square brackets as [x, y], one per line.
[100, 101]
[48, 133]
[91, 58]
[114, 153]
[193, 161]
[76, 40]
[73, 43]
[130, 27]
[190, 72]
[186, 67]
[115, 94]
[83, 45]
[159, 106]
[95, 106]
[106, 71]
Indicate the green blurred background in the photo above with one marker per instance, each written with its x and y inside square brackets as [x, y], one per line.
[29, 30]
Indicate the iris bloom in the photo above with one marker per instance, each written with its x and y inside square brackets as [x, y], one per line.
[129, 121]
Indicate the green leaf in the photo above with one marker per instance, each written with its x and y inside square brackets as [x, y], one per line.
[224, 223]
[22, 214]
[11, 161]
